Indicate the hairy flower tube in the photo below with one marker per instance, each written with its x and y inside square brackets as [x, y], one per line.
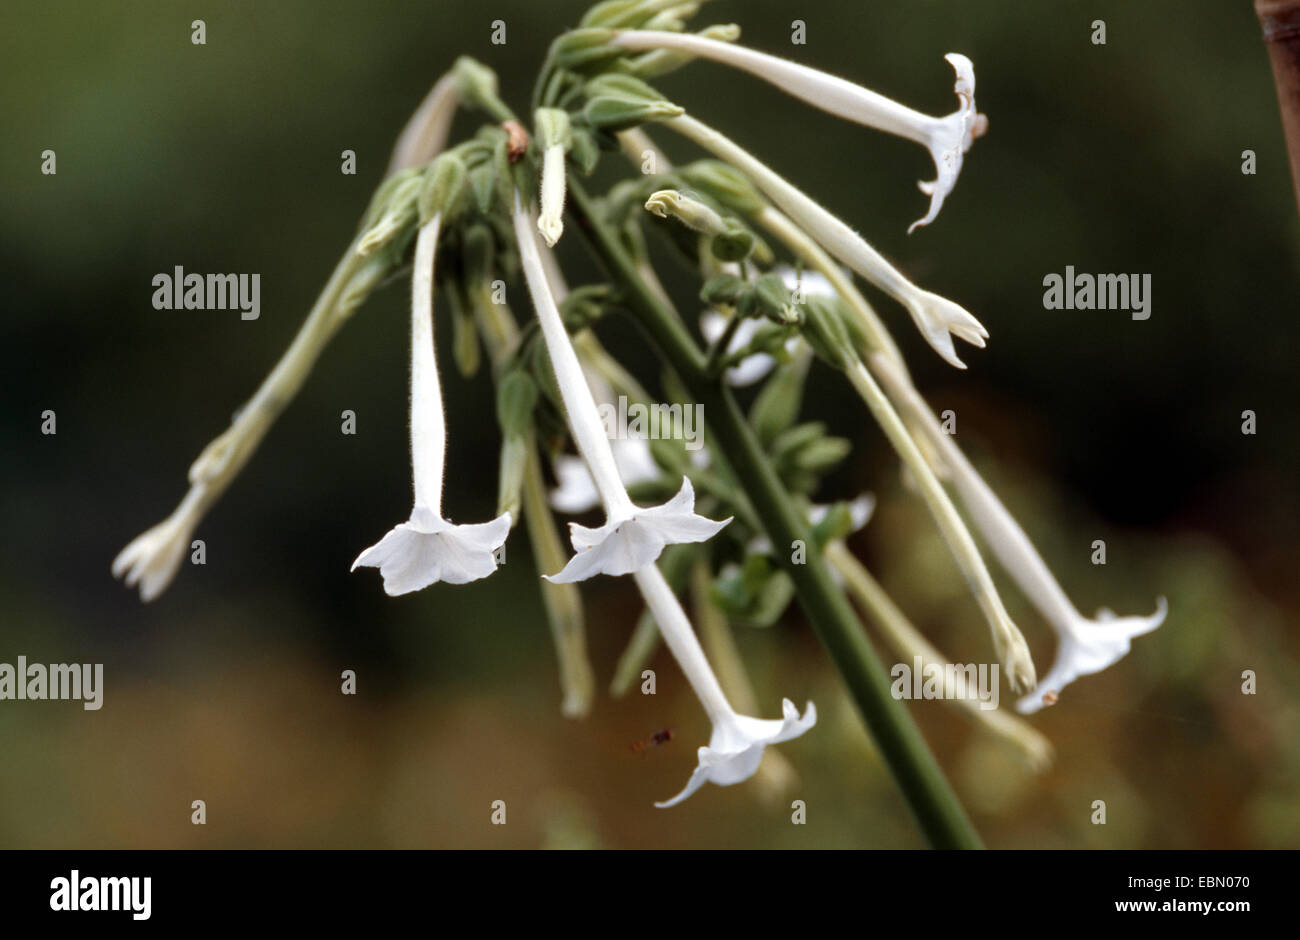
[428, 548]
[632, 537]
[736, 745]
[946, 138]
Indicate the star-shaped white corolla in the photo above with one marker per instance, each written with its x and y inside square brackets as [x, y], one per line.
[736, 745]
[632, 537]
[427, 548]
[1088, 646]
[946, 138]
[938, 318]
[1084, 646]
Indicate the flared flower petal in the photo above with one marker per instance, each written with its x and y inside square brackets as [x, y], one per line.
[946, 138]
[428, 549]
[950, 137]
[152, 558]
[1089, 646]
[736, 747]
[627, 543]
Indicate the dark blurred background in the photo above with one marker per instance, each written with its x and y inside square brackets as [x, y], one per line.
[225, 157]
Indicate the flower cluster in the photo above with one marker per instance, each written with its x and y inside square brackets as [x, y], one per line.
[777, 292]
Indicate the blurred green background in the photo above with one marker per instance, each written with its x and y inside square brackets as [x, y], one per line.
[225, 157]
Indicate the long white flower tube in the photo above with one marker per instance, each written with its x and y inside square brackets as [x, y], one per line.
[1085, 646]
[428, 548]
[1008, 641]
[736, 746]
[946, 138]
[938, 318]
[576, 492]
[632, 537]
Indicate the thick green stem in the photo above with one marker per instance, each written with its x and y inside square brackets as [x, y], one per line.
[923, 784]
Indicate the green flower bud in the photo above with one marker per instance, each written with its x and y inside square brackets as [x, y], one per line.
[582, 49]
[397, 213]
[772, 299]
[483, 186]
[723, 290]
[724, 184]
[444, 189]
[516, 398]
[585, 305]
[477, 85]
[615, 85]
[671, 204]
[606, 13]
[477, 251]
[620, 114]
[735, 243]
[464, 335]
[777, 405]
[825, 331]
[822, 454]
[584, 152]
[552, 128]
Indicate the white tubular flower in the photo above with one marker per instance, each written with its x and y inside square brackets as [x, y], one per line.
[946, 138]
[428, 548]
[737, 743]
[937, 318]
[632, 537]
[551, 220]
[1085, 646]
[152, 558]
[554, 136]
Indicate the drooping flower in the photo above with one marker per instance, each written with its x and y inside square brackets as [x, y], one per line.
[946, 138]
[1088, 646]
[736, 745]
[938, 318]
[632, 537]
[152, 558]
[427, 548]
[1084, 646]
